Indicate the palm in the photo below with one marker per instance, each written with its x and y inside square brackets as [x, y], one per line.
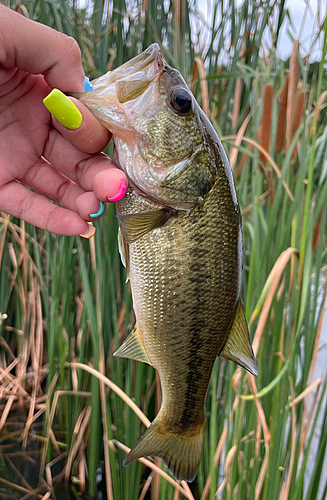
[38, 156]
[24, 124]
[57, 164]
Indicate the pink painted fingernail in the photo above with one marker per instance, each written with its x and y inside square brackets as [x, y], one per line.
[121, 192]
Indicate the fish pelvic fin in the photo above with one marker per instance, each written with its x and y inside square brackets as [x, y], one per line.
[134, 226]
[238, 346]
[123, 252]
[133, 348]
[180, 450]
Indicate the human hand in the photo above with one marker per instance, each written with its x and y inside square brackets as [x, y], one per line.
[64, 165]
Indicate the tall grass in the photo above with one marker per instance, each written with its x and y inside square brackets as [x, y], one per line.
[69, 307]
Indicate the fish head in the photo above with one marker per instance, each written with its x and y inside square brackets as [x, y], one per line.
[164, 142]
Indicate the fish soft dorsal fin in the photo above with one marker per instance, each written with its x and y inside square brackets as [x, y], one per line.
[132, 348]
[133, 226]
[238, 346]
[123, 252]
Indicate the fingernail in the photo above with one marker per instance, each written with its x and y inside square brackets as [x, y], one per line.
[88, 85]
[94, 216]
[121, 192]
[63, 109]
[90, 233]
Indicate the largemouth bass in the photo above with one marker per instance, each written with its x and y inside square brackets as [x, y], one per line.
[181, 242]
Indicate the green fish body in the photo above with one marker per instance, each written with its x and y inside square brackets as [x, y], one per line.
[181, 241]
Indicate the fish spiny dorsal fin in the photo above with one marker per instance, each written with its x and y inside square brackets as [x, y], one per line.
[238, 346]
[133, 226]
[132, 348]
[180, 450]
[123, 252]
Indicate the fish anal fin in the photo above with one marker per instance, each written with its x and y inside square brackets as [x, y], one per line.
[132, 348]
[134, 226]
[180, 451]
[123, 252]
[238, 346]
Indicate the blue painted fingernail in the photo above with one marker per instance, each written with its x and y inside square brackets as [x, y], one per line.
[94, 216]
[87, 85]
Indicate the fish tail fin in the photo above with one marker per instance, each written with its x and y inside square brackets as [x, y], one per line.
[180, 451]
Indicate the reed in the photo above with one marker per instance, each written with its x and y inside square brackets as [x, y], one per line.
[266, 121]
[281, 124]
[69, 411]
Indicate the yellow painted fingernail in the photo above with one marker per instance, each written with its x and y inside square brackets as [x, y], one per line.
[63, 109]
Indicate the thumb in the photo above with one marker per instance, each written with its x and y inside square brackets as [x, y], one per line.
[38, 49]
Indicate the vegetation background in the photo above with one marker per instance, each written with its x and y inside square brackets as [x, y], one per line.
[68, 409]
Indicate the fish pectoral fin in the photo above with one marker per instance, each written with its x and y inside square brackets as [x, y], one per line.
[133, 226]
[238, 346]
[180, 450]
[132, 348]
[123, 252]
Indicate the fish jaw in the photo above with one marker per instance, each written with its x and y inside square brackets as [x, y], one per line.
[168, 155]
[121, 95]
[141, 63]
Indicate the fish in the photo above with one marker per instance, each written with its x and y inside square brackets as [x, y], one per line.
[180, 239]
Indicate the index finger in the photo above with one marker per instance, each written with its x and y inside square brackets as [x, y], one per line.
[90, 137]
[38, 49]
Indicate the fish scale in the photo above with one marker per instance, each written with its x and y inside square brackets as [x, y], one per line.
[187, 266]
[181, 241]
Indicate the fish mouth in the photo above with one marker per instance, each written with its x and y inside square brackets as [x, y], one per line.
[132, 78]
[126, 93]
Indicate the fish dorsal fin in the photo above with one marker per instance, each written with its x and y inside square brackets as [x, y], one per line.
[123, 252]
[132, 348]
[133, 226]
[238, 346]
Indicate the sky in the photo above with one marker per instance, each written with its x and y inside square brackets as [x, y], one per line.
[304, 28]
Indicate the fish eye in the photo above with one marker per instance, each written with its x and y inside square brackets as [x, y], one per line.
[181, 101]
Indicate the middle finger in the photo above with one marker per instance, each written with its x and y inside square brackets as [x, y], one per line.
[92, 172]
[47, 181]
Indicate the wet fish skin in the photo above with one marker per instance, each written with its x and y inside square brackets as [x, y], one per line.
[182, 244]
[186, 321]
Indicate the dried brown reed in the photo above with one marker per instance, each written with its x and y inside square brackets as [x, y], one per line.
[269, 158]
[266, 122]
[204, 85]
[291, 95]
[281, 122]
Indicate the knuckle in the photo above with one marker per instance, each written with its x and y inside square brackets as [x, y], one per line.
[80, 170]
[62, 190]
[49, 145]
[72, 49]
[50, 216]
[25, 205]
[32, 173]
